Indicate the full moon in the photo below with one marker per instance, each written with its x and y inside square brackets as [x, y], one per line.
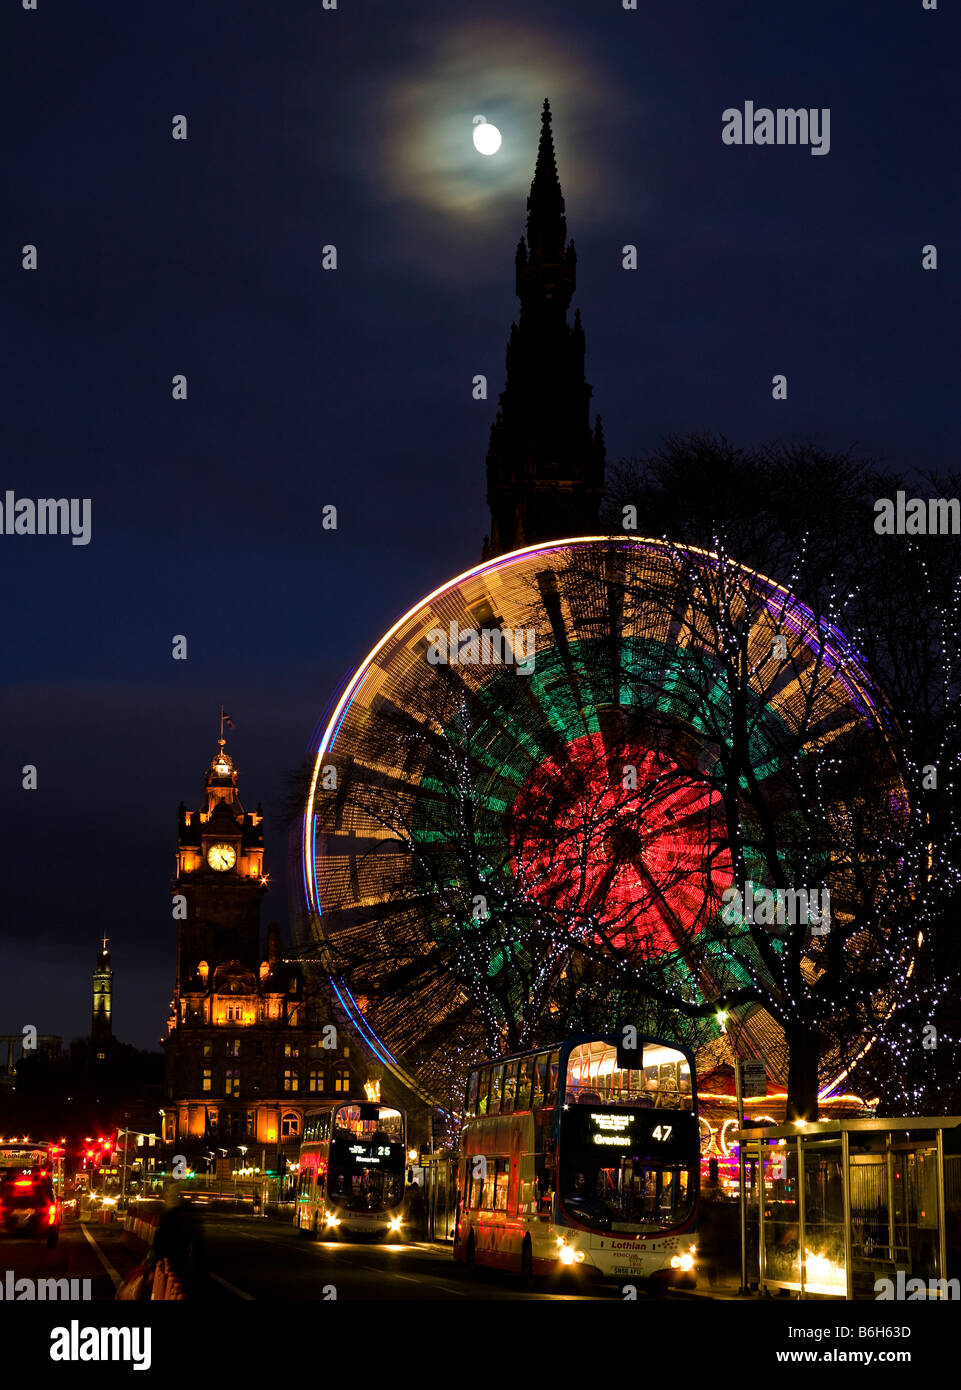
[487, 138]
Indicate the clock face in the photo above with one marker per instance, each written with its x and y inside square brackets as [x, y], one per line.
[221, 857]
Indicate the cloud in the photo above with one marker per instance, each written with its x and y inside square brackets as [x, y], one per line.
[423, 155]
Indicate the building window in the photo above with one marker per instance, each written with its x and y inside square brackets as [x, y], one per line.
[232, 1082]
[233, 1047]
[289, 1125]
[291, 1080]
[291, 1050]
[208, 1049]
[212, 1118]
[208, 1079]
[315, 1079]
[342, 1080]
[346, 1050]
[251, 1123]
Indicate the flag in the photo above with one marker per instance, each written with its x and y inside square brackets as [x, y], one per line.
[228, 722]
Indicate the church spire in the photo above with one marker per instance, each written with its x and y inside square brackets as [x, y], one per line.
[545, 466]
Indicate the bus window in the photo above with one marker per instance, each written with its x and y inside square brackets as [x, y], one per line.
[497, 1083]
[475, 1182]
[502, 1177]
[489, 1183]
[685, 1070]
[650, 1078]
[540, 1081]
[555, 1066]
[485, 1081]
[472, 1089]
[510, 1089]
[523, 1101]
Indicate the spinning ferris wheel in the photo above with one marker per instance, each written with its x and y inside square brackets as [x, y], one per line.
[546, 740]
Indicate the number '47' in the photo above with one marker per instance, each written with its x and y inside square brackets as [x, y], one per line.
[662, 1132]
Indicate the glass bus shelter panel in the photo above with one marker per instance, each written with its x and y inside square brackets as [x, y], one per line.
[823, 1236]
[780, 1261]
[952, 1214]
[916, 1209]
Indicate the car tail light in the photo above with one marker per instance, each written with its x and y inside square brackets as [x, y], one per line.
[52, 1213]
[23, 1182]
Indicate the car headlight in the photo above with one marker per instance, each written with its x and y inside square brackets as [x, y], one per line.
[395, 1223]
[331, 1220]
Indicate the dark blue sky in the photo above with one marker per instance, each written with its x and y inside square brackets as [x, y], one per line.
[203, 257]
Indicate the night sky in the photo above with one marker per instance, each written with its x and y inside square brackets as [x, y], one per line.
[352, 387]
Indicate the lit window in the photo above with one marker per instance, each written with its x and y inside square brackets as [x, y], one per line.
[289, 1125]
[232, 1083]
[342, 1080]
[291, 1080]
[208, 1079]
[315, 1079]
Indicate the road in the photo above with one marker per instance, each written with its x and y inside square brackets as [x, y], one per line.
[253, 1259]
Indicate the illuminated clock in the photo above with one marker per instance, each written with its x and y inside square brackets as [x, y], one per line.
[221, 857]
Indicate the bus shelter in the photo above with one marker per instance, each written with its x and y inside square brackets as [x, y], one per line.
[844, 1204]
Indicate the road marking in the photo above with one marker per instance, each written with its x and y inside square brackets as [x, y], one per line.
[233, 1288]
[117, 1278]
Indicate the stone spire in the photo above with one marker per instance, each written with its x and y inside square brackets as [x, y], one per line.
[545, 466]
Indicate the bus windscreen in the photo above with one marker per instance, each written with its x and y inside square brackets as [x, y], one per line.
[627, 1170]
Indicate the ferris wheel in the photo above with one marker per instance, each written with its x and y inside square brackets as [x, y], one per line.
[545, 741]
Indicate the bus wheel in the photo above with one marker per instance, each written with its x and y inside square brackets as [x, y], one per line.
[470, 1259]
[527, 1264]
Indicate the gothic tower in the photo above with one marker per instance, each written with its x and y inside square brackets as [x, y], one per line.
[545, 465]
[101, 1028]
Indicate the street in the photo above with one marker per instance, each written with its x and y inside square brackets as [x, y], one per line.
[253, 1258]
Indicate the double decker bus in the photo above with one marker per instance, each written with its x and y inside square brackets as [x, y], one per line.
[351, 1175]
[31, 1188]
[585, 1155]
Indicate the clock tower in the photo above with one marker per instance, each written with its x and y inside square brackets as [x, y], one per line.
[220, 879]
[250, 1042]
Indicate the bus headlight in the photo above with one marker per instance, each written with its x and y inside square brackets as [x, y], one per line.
[684, 1262]
[568, 1256]
[331, 1220]
[395, 1223]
